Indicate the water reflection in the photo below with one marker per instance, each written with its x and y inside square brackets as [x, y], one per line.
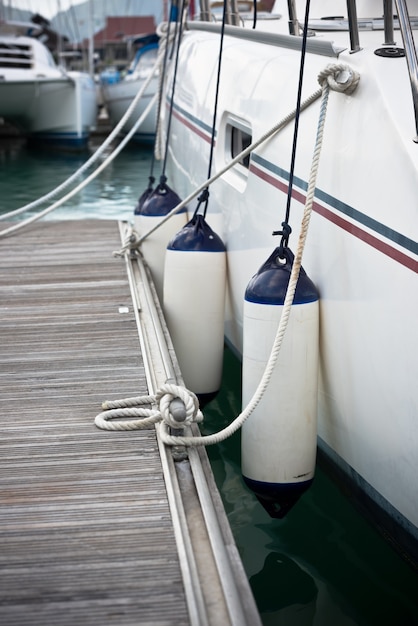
[287, 594]
[323, 564]
[28, 173]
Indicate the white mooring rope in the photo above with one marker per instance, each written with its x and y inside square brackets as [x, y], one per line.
[343, 79]
[133, 240]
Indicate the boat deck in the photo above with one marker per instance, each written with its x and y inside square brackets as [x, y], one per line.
[98, 527]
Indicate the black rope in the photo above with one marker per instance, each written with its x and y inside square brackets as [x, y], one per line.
[163, 178]
[151, 177]
[174, 17]
[286, 229]
[204, 196]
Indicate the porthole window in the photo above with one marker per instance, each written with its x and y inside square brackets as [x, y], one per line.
[235, 135]
[240, 139]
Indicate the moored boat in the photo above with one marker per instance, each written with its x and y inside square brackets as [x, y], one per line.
[119, 92]
[47, 103]
[361, 248]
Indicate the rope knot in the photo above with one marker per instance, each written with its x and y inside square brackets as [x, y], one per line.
[339, 77]
[204, 196]
[131, 242]
[176, 406]
[285, 233]
[181, 413]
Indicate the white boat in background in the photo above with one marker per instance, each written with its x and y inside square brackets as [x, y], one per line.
[361, 250]
[118, 92]
[47, 103]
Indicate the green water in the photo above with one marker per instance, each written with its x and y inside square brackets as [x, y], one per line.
[27, 174]
[323, 565]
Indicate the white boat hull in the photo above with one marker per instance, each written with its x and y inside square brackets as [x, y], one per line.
[117, 98]
[46, 103]
[60, 111]
[361, 251]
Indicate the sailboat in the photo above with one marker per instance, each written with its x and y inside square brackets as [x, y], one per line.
[118, 92]
[325, 95]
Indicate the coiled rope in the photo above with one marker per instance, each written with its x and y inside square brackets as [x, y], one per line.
[160, 410]
[164, 36]
[343, 79]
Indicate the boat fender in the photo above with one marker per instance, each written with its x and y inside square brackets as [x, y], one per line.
[194, 305]
[156, 206]
[279, 438]
[144, 196]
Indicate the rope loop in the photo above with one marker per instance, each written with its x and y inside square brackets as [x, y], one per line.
[339, 77]
[131, 242]
[159, 409]
[169, 392]
[162, 30]
[342, 78]
[106, 420]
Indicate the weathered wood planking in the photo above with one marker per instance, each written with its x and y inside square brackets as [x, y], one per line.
[85, 528]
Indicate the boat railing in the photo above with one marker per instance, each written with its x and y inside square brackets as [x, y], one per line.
[407, 37]
[405, 27]
[411, 55]
[293, 18]
[403, 22]
[353, 26]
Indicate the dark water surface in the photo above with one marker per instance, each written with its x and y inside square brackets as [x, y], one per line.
[323, 565]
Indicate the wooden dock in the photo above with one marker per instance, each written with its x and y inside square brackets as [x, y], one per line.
[98, 527]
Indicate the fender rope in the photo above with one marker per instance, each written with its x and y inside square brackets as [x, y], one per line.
[133, 240]
[339, 77]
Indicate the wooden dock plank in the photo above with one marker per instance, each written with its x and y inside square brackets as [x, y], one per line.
[85, 528]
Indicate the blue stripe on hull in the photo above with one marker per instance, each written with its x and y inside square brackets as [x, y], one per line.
[279, 177]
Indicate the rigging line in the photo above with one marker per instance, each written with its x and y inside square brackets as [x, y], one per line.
[170, 114]
[76, 30]
[67, 29]
[218, 79]
[205, 195]
[285, 233]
